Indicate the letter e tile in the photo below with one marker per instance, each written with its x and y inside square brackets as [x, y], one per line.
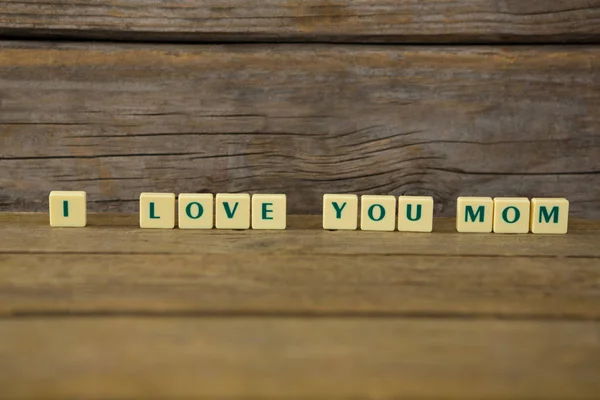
[269, 211]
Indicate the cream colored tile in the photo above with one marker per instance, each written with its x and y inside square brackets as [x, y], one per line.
[511, 214]
[269, 211]
[549, 215]
[415, 213]
[157, 210]
[232, 211]
[377, 213]
[474, 214]
[340, 211]
[196, 210]
[68, 209]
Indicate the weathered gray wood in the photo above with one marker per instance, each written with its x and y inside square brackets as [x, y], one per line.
[116, 120]
[333, 358]
[307, 20]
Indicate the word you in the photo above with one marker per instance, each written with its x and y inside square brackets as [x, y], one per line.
[340, 212]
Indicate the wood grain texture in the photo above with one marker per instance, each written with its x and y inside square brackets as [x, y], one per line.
[116, 120]
[114, 311]
[286, 284]
[406, 21]
[113, 267]
[298, 358]
[27, 233]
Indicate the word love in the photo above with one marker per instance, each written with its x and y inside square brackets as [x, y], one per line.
[340, 212]
[194, 210]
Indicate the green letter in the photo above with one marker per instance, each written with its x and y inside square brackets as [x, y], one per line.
[188, 210]
[381, 212]
[65, 208]
[152, 216]
[409, 211]
[228, 211]
[505, 215]
[553, 214]
[473, 215]
[338, 210]
[265, 210]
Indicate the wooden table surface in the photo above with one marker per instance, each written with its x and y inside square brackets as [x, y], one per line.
[114, 311]
[443, 98]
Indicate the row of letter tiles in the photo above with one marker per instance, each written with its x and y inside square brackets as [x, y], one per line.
[378, 213]
[196, 211]
[340, 211]
[512, 215]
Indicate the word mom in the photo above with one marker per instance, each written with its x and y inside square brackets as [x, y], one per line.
[340, 212]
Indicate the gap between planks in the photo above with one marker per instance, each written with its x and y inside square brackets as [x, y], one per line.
[434, 21]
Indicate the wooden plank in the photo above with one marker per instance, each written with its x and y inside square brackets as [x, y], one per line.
[307, 20]
[31, 233]
[293, 358]
[287, 284]
[116, 120]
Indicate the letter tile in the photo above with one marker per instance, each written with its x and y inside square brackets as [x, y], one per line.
[511, 214]
[68, 209]
[157, 210]
[474, 214]
[269, 211]
[549, 215]
[377, 213]
[415, 213]
[232, 211]
[195, 211]
[340, 211]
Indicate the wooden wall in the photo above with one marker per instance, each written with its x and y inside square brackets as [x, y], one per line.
[437, 97]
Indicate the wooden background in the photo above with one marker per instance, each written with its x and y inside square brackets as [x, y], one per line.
[441, 98]
[433, 97]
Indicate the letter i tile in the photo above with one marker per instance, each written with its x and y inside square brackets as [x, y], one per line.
[340, 211]
[68, 209]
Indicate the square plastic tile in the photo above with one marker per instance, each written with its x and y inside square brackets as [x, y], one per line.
[232, 211]
[269, 211]
[157, 210]
[68, 209]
